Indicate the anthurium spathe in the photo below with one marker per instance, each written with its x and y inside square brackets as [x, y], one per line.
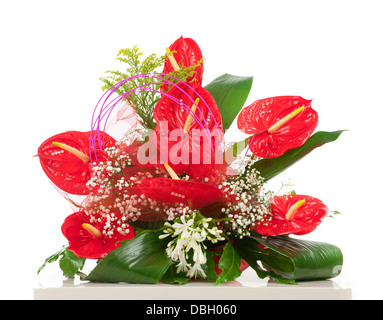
[187, 53]
[183, 98]
[196, 195]
[278, 124]
[189, 124]
[293, 214]
[94, 238]
[66, 159]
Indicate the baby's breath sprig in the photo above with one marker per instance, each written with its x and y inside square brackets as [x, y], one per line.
[248, 204]
[109, 174]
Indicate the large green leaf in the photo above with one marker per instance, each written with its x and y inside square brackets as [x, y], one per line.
[139, 260]
[286, 258]
[230, 93]
[269, 168]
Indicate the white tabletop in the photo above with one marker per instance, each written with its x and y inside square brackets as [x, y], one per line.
[246, 287]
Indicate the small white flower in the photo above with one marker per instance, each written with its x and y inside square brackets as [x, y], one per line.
[182, 227]
[188, 236]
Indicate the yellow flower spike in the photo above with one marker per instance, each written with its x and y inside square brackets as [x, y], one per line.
[72, 150]
[92, 230]
[282, 121]
[189, 119]
[172, 60]
[171, 172]
[293, 209]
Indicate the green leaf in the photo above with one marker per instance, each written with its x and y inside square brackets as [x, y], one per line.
[139, 260]
[230, 93]
[234, 150]
[238, 147]
[269, 168]
[70, 264]
[287, 259]
[249, 251]
[229, 264]
[172, 277]
[208, 267]
[52, 258]
[333, 214]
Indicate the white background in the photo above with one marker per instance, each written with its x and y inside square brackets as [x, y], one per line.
[53, 53]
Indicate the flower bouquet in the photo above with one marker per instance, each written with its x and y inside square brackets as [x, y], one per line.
[160, 194]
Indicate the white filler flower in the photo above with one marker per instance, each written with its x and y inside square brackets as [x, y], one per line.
[187, 247]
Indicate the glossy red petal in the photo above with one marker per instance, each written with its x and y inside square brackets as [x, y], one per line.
[81, 242]
[166, 190]
[258, 117]
[204, 136]
[66, 170]
[101, 141]
[187, 55]
[305, 220]
[213, 174]
[207, 111]
[84, 244]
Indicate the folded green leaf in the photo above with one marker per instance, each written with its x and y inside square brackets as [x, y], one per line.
[269, 168]
[230, 93]
[139, 260]
[229, 264]
[287, 260]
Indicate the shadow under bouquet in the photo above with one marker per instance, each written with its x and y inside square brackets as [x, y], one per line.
[160, 193]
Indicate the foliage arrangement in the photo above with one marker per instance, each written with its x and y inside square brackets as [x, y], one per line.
[168, 198]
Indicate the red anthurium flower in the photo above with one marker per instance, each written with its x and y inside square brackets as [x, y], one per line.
[94, 238]
[293, 214]
[190, 128]
[193, 194]
[187, 54]
[211, 173]
[65, 159]
[176, 113]
[278, 124]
